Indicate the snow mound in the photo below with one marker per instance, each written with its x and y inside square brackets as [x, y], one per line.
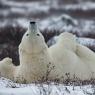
[8, 87]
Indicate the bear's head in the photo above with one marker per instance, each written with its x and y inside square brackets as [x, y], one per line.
[32, 41]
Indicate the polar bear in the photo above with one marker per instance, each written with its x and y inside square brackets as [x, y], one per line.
[87, 56]
[33, 55]
[7, 68]
[71, 59]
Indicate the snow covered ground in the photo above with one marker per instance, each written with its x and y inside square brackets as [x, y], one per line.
[8, 87]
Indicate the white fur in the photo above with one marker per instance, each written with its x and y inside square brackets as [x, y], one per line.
[71, 59]
[34, 58]
[7, 68]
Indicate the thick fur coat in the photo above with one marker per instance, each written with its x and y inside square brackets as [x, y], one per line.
[71, 59]
[34, 57]
[7, 68]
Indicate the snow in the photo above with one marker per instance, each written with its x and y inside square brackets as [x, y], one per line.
[52, 41]
[51, 21]
[35, 8]
[42, 89]
[28, 6]
[58, 23]
[82, 6]
[86, 41]
[8, 87]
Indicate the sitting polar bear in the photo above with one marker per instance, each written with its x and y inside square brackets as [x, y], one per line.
[34, 57]
[7, 68]
[72, 59]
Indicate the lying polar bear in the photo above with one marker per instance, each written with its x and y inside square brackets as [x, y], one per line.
[34, 56]
[66, 56]
[71, 58]
[7, 68]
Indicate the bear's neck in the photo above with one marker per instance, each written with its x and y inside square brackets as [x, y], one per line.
[32, 58]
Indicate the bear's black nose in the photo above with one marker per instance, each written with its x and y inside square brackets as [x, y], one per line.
[32, 22]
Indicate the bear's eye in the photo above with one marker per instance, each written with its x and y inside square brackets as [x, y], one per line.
[38, 34]
[27, 34]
